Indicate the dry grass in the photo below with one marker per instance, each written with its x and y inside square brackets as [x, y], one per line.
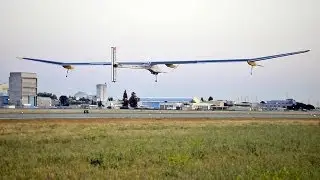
[233, 121]
[160, 149]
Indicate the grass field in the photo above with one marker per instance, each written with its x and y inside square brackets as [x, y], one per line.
[160, 149]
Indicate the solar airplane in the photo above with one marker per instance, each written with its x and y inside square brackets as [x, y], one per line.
[154, 66]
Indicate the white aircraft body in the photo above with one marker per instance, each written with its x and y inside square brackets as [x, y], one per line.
[153, 66]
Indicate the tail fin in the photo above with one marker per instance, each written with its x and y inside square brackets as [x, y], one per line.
[113, 64]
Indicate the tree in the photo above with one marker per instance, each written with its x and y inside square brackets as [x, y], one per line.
[310, 107]
[202, 99]
[210, 98]
[125, 95]
[133, 100]
[73, 102]
[85, 100]
[54, 97]
[64, 101]
[301, 106]
[125, 99]
[93, 102]
[45, 94]
[100, 104]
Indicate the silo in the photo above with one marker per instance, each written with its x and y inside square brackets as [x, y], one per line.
[102, 92]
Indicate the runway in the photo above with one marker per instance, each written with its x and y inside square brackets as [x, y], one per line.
[78, 114]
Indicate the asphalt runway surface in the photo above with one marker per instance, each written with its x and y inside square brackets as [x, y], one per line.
[78, 114]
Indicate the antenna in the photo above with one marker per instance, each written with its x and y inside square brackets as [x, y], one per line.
[114, 64]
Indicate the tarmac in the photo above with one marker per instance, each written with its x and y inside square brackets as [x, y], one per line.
[153, 114]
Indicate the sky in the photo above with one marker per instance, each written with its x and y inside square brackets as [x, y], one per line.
[146, 30]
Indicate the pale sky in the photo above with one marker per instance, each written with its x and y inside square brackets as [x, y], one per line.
[144, 30]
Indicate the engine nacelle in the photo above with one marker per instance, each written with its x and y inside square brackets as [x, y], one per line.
[171, 66]
[252, 63]
[68, 67]
[155, 70]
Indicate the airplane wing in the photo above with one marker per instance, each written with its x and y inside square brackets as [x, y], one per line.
[66, 63]
[167, 62]
[229, 60]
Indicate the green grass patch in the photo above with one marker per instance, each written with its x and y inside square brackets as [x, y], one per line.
[159, 150]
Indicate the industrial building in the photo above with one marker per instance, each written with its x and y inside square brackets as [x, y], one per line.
[102, 92]
[23, 89]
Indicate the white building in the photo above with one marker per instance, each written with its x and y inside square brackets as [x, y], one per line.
[23, 89]
[102, 92]
[201, 106]
[210, 105]
[44, 102]
[218, 105]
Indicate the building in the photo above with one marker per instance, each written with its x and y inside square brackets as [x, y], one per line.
[210, 105]
[278, 104]
[102, 92]
[241, 106]
[44, 102]
[55, 102]
[23, 89]
[171, 106]
[4, 100]
[218, 105]
[201, 106]
[4, 89]
[156, 102]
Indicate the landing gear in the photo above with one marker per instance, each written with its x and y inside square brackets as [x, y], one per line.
[154, 73]
[156, 76]
[253, 64]
[67, 67]
[67, 72]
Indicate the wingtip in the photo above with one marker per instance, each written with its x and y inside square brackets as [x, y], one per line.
[20, 58]
[303, 51]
